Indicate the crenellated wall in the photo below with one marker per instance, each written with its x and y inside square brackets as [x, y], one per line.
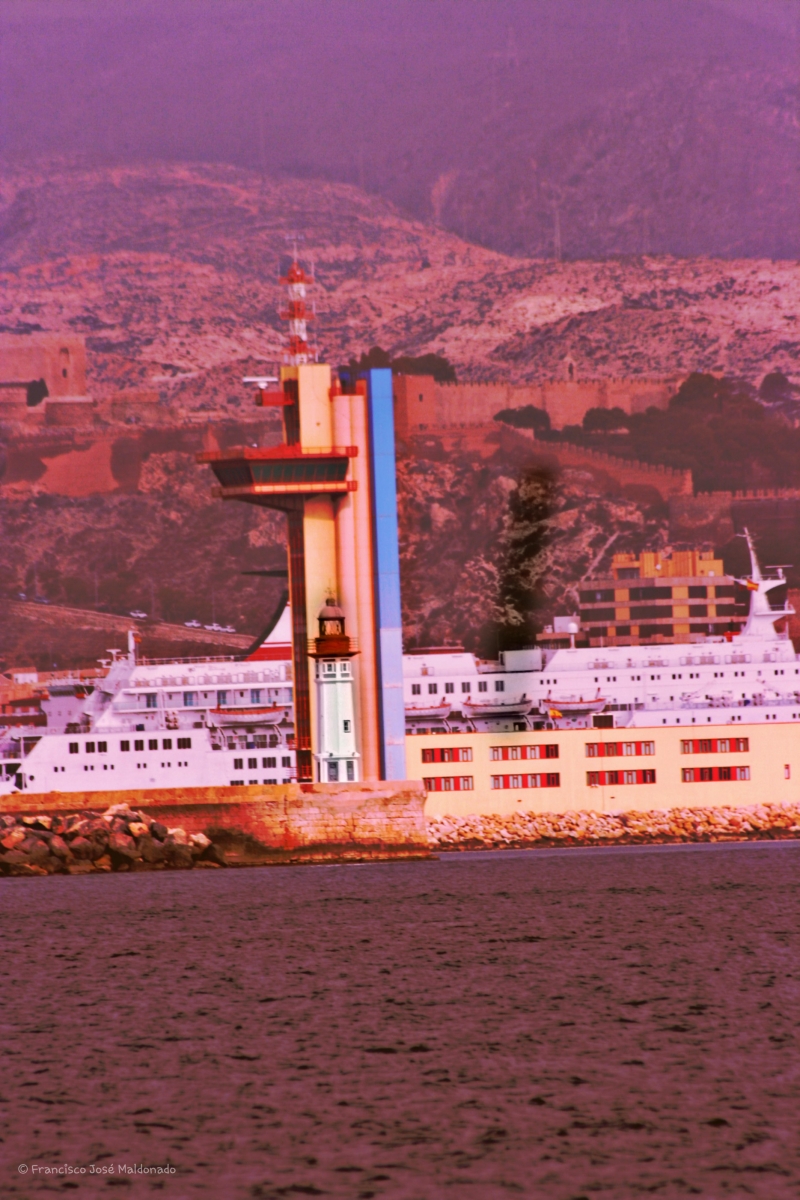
[423, 404]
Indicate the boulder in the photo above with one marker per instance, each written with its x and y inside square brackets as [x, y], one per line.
[158, 830]
[14, 858]
[117, 810]
[121, 845]
[39, 853]
[199, 843]
[137, 828]
[151, 850]
[13, 838]
[79, 868]
[177, 837]
[178, 855]
[82, 848]
[59, 848]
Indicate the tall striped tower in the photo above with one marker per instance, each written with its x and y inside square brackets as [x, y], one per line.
[334, 477]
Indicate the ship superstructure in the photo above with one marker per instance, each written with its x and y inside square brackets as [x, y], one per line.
[198, 722]
[749, 677]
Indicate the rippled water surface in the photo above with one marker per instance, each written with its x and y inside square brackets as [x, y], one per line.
[540, 1024]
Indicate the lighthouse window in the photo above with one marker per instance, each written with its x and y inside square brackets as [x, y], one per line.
[416, 688]
[346, 726]
[188, 700]
[433, 689]
[255, 695]
[333, 772]
[151, 700]
[351, 772]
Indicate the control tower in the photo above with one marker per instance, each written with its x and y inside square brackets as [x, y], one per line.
[334, 477]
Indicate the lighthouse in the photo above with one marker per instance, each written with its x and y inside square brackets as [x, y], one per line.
[334, 478]
[337, 756]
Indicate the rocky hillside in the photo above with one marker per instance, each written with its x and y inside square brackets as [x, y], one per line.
[170, 272]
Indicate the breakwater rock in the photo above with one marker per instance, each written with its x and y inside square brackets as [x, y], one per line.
[253, 825]
[119, 839]
[525, 829]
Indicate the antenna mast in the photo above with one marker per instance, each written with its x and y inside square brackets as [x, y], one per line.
[297, 312]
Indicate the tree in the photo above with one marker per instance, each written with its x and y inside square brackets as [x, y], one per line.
[527, 417]
[604, 420]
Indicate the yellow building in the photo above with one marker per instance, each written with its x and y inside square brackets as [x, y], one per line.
[606, 770]
[653, 597]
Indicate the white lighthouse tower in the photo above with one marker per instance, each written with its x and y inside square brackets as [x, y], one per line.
[337, 756]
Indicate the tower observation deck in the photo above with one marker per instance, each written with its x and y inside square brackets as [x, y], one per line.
[334, 477]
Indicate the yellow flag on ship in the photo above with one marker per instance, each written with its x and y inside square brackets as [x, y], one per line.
[751, 585]
[553, 713]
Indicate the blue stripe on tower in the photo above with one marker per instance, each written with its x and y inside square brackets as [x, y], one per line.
[386, 559]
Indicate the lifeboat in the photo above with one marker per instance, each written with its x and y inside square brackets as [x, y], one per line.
[571, 706]
[497, 708]
[271, 715]
[418, 711]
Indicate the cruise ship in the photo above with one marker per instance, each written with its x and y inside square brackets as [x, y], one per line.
[751, 677]
[161, 723]
[229, 722]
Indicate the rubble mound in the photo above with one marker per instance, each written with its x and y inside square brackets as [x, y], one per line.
[526, 829]
[84, 843]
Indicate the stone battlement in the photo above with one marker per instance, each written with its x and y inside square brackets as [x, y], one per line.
[421, 403]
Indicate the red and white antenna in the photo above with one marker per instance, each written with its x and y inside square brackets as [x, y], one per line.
[297, 312]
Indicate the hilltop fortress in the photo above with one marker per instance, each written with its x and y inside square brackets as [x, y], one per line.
[424, 405]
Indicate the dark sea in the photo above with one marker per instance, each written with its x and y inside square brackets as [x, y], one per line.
[549, 1024]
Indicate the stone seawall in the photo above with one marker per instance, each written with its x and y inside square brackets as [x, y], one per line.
[583, 828]
[257, 824]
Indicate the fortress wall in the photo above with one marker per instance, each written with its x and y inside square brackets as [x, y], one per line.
[59, 359]
[627, 472]
[422, 404]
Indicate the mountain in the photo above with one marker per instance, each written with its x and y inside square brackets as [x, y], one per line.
[170, 271]
[656, 127]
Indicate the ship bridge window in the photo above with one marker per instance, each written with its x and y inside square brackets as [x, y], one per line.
[166, 743]
[433, 689]
[90, 747]
[222, 698]
[102, 747]
[416, 689]
[499, 685]
[184, 743]
[189, 699]
[449, 687]
[125, 745]
[255, 695]
[466, 687]
[483, 686]
[73, 747]
[138, 744]
[151, 700]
